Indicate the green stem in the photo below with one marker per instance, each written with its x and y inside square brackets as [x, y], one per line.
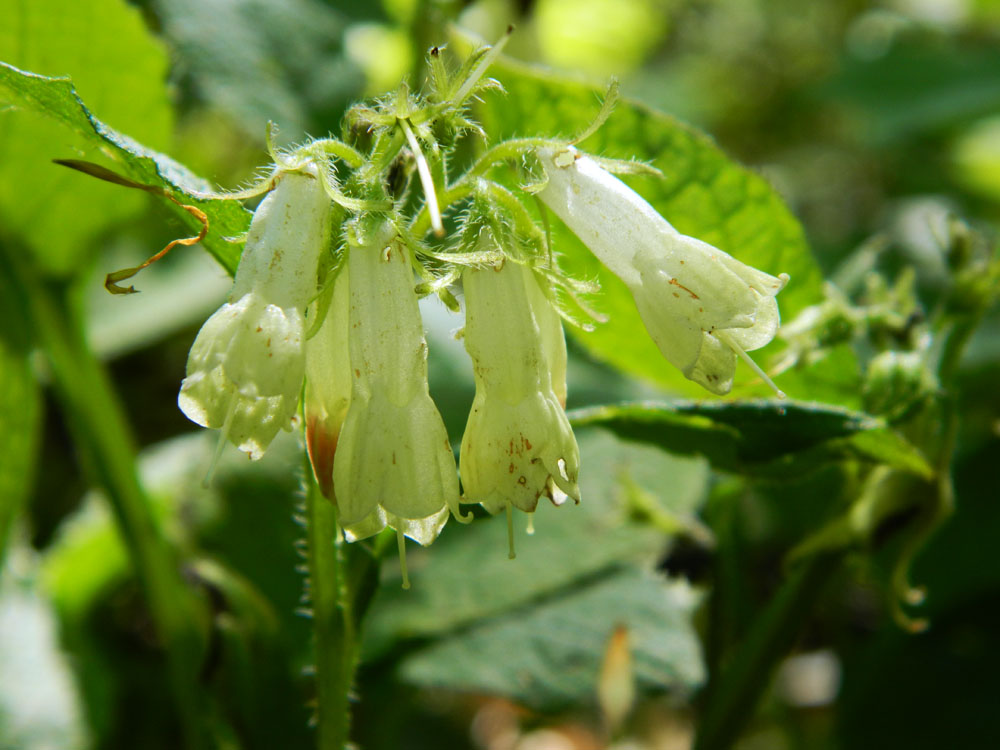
[508, 151]
[466, 184]
[747, 676]
[421, 223]
[333, 623]
[954, 347]
[105, 443]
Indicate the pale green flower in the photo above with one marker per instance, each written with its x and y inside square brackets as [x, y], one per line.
[701, 306]
[394, 464]
[245, 369]
[518, 445]
[328, 385]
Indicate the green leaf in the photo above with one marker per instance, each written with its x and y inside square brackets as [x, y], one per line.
[466, 575]
[258, 60]
[121, 69]
[548, 656]
[920, 85]
[57, 98]
[703, 193]
[760, 438]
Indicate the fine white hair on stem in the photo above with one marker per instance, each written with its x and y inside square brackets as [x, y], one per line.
[488, 59]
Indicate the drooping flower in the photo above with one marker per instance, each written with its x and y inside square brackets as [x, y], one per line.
[328, 385]
[394, 464]
[701, 306]
[245, 369]
[518, 444]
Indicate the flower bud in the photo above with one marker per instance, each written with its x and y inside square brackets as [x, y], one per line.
[896, 381]
[394, 464]
[518, 444]
[702, 307]
[245, 369]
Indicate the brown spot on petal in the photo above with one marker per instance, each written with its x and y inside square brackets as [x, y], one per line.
[511, 469]
[675, 282]
[522, 480]
[527, 444]
[259, 329]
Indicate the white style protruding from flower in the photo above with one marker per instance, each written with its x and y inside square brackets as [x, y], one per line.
[701, 306]
[518, 444]
[245, 369]
[394, 465]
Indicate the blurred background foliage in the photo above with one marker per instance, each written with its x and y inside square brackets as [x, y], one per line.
[875, 121]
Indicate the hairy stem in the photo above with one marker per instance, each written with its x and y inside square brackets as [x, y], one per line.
[333, 623]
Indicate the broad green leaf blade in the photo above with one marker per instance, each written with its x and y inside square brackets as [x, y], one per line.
[761, 438]
[121, 69]
[548, 656]
[957, 81]
[57, 99]
[466, 575]
[703, 194]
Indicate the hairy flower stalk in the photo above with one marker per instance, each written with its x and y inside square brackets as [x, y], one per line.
[518, 445]
[245, 369]
[701, 306]
[394, 465]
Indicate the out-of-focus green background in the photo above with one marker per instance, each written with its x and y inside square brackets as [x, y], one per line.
[874, 121]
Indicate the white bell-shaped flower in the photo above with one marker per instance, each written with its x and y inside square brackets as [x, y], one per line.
[328, 384]
[245, 369]
[518, 444]
[394, 464]
[701, 306]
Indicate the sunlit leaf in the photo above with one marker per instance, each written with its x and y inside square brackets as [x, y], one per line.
[703, 193]
[121, 70]
[57, 99]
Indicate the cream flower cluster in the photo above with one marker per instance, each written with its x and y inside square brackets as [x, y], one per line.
[323, 319]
